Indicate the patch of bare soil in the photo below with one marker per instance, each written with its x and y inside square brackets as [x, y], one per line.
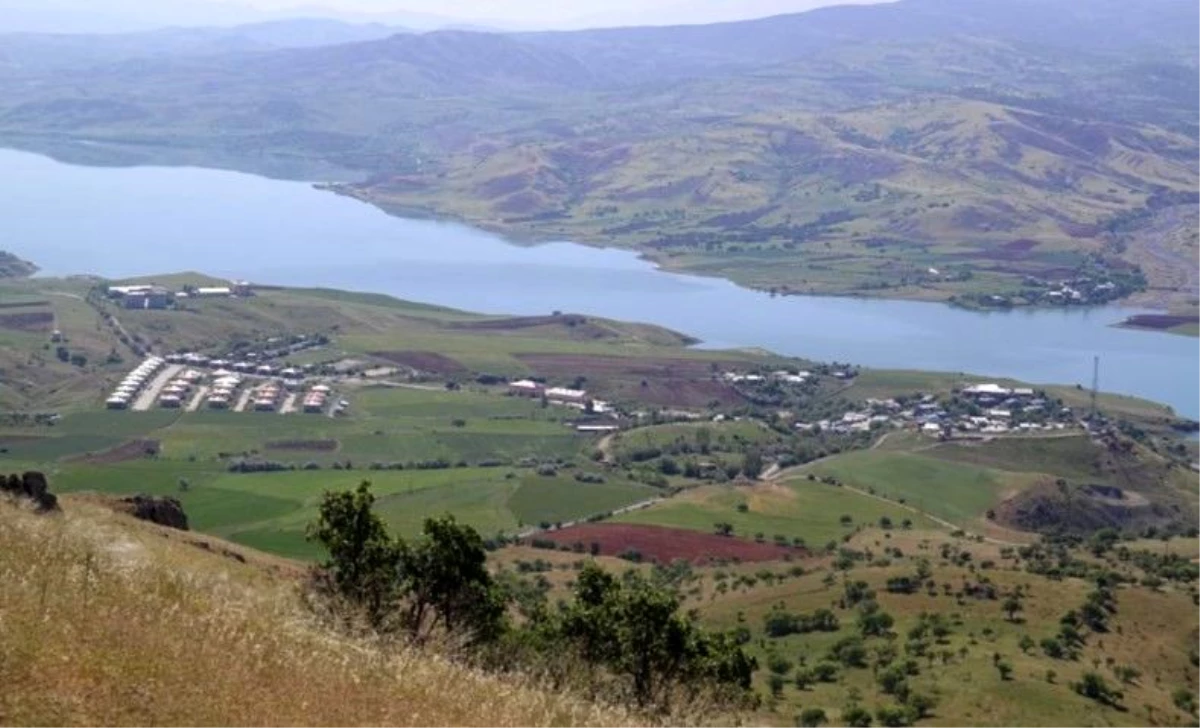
[426, 361]
[126, 451]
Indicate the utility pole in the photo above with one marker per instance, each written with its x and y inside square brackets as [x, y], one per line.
[1095, 384]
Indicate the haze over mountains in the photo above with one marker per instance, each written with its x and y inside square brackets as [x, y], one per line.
[124, 16]
[918, 123]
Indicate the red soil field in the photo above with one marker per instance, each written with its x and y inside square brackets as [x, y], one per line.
[664, 545]
[303, 445]
[132, 450]
[32, 321]
[426, 361]
[662, 381]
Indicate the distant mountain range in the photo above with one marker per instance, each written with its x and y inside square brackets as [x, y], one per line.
[880, 129]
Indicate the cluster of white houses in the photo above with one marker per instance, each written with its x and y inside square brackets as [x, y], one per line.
[224, 390]
[577, 398]
[232, 367]
[134, 383]
[316, 399]
[176, 392]
[560, 395]
[778, 376]
[998, 410]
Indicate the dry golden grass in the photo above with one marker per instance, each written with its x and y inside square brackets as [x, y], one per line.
[103, 621]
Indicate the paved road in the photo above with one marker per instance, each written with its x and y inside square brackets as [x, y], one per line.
[198, 400]
[243, 400]
[149, 395]
[289, 404]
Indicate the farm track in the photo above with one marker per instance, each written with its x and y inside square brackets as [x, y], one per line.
[619, 511]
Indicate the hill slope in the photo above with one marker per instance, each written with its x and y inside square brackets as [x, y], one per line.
[844, 150]
[106, 620]
[774, 199]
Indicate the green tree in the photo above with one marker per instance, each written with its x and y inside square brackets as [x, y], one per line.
[1093, 686]
[1012, 605]
[811, 718]
[919, 706]
[639, 632]
[448, 585]
[752, 463]
[438, 582]
[1184, 699]
[874, 622]
[363, 560]
[856, 716]
[893, 681]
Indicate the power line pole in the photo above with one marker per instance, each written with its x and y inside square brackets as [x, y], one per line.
[1095, 384]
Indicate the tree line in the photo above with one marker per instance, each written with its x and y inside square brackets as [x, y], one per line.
[623, 638]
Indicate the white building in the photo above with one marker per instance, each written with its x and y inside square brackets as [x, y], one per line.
[525, 388]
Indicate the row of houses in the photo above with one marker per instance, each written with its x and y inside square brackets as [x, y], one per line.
[175, 393]
[133, 383]
[241, 367]
[782, 375]
[224, 390]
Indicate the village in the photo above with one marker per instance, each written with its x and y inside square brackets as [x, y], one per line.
[979, 409]
[192, 382]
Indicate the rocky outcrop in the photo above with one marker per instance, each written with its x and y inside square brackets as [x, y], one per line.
[163, 511]
[32, 486]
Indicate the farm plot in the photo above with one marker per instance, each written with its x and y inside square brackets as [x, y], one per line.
[813, 512]
[664, 545]
[954, 491]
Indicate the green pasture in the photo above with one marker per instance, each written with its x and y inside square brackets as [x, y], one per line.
[798, 509]
[954, 491]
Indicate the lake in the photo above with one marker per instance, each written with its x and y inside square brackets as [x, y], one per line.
[120, 222]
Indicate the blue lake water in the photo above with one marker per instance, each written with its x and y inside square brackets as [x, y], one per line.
[143, 220]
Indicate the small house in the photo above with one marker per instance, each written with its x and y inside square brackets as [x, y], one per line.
[525, 388]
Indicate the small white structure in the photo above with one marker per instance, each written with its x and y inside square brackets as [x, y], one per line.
[570, 396]
[525, 388]
[989, 390]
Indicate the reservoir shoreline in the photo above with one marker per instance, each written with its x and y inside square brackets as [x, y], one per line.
[124, 222]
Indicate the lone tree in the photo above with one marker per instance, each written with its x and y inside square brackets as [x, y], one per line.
[1012, 605]
[752, 463]
[1093, 686]
[638, 631]
[438, 582]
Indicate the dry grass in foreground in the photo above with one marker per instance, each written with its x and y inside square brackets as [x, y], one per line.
[104, 621]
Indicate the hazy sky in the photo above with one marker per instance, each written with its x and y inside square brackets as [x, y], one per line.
[121, 15]
[572, 12]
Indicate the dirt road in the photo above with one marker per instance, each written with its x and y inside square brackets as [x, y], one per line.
[150, 394]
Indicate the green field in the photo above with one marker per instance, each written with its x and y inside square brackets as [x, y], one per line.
[798, 509]
[729, 436]
[956, 492]
[271, 510]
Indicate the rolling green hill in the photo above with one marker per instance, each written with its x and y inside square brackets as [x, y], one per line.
[920, 149]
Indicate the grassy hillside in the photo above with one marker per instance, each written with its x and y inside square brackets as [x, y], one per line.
[930, 197]
[137, 626]
[850, 150]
